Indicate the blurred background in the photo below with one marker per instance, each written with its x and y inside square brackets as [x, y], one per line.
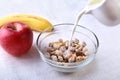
[54, 10]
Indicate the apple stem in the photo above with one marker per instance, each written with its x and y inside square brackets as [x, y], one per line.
[12, 27]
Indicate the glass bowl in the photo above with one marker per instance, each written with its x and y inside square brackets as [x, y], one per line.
[64, 31]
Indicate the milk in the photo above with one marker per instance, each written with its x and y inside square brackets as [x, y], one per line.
[92, 4]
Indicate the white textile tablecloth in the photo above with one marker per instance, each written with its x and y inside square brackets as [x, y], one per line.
[105, 66]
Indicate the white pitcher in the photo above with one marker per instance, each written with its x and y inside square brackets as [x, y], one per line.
[108, 13]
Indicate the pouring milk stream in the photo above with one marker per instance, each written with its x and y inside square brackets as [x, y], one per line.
[106, 11]
[92, 4]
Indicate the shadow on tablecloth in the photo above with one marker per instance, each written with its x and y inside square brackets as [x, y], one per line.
[85, 72]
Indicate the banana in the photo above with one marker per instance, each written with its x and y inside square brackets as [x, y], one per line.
[34, 22]
[30, 16]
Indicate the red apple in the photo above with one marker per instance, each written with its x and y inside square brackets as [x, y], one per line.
[16, 38]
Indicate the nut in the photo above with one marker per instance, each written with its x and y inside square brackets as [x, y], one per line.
[77, 50]
[60, 40]
[72, 49]
[50, 49]
[63, 48]
[58, 52]
[79, 53]
[52, 53]
[50, 45]
[76, 41]
[65, 57]
[73, 44]
[71, 59]
[56, 46]
[54, 58]
[83, 44]
[79, 58]
[78, 46]
[60, 58]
